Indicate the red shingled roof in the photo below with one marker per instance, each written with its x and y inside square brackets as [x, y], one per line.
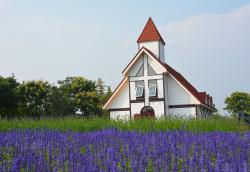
[150, 33]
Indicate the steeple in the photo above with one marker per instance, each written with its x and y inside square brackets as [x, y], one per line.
[150, 33]
[152, 40]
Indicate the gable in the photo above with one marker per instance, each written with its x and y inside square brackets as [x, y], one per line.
[134, 65]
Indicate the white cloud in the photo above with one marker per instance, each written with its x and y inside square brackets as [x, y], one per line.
[213, 51]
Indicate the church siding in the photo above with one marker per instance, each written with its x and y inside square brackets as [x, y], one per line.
[136, 108]
[160, 91]
[119, 115]
[158, 107]
[183, 112]
[121, 100]
[165, 86]
[152, 46]
[177, 94]
[132, 91]
[161, 50]
[198, 115]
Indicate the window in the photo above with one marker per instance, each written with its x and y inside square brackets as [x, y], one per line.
[152, 90]
[139, 90]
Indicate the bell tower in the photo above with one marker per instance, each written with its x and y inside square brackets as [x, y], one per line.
[151, 39]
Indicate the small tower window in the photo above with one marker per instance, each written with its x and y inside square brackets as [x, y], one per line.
[139, 90]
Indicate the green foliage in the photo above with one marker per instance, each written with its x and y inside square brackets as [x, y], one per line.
[59, 104]
[35, 97]
[8, 96]
[91, 124]
[108, 94]
[73, 95]
[89, 103]
[82, 95]
[74, 85]
[238, 102]
[100, 87]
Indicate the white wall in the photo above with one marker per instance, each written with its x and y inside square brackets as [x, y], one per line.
[158, 107]
[199, 112]
[136, 108]
[121, 99]
[177, 95]
[160, 88]
[182, 112]
[119, 115]
[162, 54]
[132, 91]
[166, 94]
[152, 46]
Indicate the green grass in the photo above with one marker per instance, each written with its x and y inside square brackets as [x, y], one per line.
[83, 124]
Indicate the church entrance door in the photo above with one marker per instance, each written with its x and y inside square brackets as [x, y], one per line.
[147, 111]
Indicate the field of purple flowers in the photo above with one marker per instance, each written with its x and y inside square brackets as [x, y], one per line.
[115, 150]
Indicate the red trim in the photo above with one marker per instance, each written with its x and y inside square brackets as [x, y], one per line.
[150, 33]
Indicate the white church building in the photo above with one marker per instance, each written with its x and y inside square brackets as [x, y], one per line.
[150, 83]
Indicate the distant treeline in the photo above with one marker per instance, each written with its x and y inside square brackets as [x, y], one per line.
[73, 96]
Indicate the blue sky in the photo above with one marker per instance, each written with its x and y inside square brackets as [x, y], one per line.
[207, 41]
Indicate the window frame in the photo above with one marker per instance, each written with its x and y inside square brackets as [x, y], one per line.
[155, 90]
[142, 92]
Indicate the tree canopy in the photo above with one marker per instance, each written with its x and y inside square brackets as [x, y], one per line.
[37, 98]
[8, 96]
[238, 102]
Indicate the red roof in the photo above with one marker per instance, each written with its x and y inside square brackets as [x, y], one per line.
[150, 33]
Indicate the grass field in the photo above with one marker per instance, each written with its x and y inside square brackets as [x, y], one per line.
[63, 144]
[93, 124]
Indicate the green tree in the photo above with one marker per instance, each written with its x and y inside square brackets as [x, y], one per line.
[108, 94]
[100, 87]
[35, 97]
[74, 85]
[88, 103]
[238, 102]
[82, 95]
[59, 104]
[8, 96]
